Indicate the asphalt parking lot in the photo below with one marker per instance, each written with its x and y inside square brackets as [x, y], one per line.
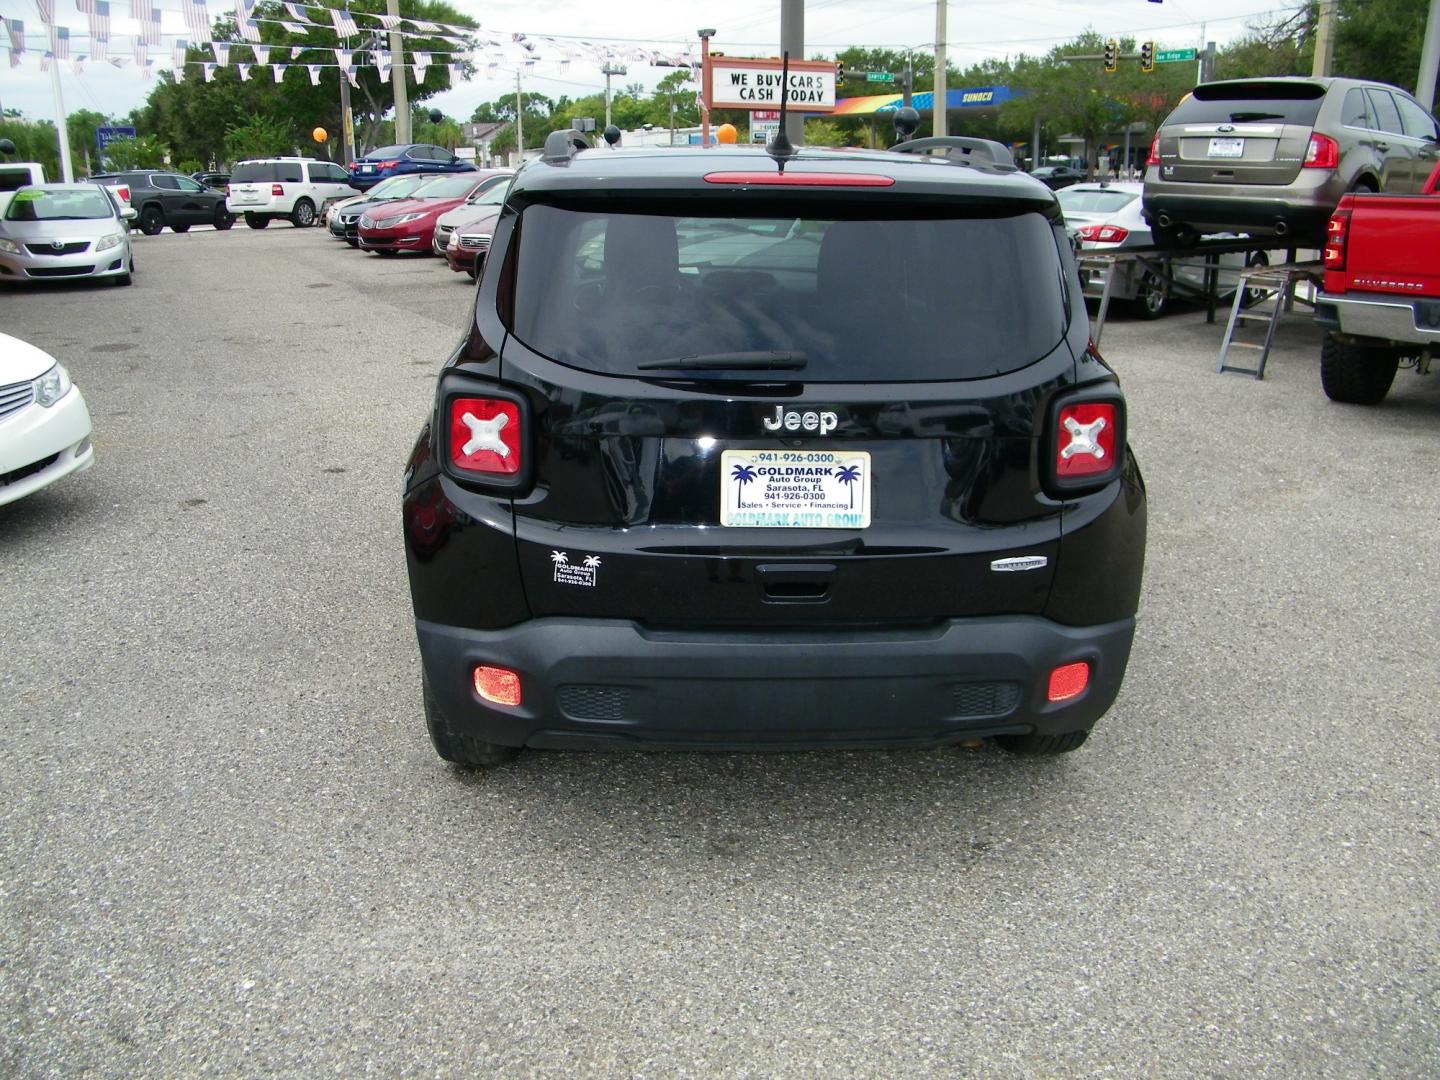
[228, 848]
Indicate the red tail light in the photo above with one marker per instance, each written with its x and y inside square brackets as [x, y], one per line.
[1154, 157]
[485, 436]
[1336, 233]
[1086, 441]
[350, 167]
[124, 190]
[277, 190]
[1322, 153]
[1068, 681]
[1103, 234]
[386, 164]
[501, 685]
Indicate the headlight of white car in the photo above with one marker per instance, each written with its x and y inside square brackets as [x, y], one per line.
[105, 243]
[390, 223]
[9, 246]
[52, 386]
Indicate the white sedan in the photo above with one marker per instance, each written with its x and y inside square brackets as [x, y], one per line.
[44, 424]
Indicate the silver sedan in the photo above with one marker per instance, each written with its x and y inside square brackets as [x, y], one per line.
[65, 231]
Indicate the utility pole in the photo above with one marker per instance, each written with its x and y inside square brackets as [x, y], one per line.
[1324, 39]
[62, 135]
[792, 40]
[705, 36]
[1429, 59]
[397, 77]
[519, 119]
[608, 70]
[939, 112]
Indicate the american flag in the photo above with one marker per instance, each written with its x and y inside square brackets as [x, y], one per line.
[85, 7]
[177, 57]
[60, 42]
[314, 70]
[221, 51]
[99, 50]
[262, 54]
[17, 37]
[139, 11]
[208, 71]
[390, 22]
[244, 70]
[99, 12]
[297, 12]
[343, 23]
[150, 28]
[278, 70]
[197, 20]
[47, 11]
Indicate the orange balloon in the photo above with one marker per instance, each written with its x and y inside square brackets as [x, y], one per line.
[725, 133]
[319, 134]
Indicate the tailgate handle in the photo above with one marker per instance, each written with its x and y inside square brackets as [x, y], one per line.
[796, 583]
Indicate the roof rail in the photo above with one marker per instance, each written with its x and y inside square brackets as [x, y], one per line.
[561, 146]
[982, 153]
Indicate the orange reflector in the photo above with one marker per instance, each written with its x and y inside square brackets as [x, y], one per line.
[497, 684]
[1066, 681]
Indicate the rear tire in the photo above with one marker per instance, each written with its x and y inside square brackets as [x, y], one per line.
[1357, 374]
[303, 216]
[256, 221]
[179, 228]
[1152, 297]
[152, 221]
[1037, 745]
[455, 747]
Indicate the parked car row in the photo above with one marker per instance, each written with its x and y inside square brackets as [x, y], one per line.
[451, 215]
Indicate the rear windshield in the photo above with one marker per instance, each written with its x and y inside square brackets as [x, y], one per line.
[1090, 201]
[269, 172]
[1246, 102]
[65, 204]
[385, 152]
[399, 187]
[862, 300]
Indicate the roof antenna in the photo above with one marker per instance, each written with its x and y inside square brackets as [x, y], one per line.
[781, 148]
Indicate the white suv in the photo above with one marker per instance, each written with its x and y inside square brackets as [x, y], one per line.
[288, 187]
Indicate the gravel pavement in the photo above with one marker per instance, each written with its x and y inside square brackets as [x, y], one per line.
[227, 848]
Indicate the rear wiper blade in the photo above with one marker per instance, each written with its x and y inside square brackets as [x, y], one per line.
[1241, 117]
[769, 360]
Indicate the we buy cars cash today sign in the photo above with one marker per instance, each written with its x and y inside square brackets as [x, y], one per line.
[738, 83]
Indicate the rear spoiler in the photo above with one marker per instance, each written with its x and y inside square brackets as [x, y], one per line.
[982, 153]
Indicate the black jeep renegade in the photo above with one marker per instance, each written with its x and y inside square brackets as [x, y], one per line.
[745, 452]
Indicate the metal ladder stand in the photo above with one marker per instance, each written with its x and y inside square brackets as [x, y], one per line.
[1279, 282]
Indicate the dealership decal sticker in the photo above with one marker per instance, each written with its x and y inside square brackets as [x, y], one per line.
[584, 572]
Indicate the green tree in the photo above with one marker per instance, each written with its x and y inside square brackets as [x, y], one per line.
[193, 116]
[141, 152]
[80, 127]
[34, 141]
[258, 137]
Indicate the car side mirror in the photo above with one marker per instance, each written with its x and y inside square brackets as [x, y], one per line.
[129, 214]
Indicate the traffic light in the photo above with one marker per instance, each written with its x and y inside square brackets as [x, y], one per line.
[1112, 56]
[839, 72]
[1147, 57]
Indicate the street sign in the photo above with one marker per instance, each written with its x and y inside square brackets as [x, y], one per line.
[1170, 56]
[879, 76]
[104, 136]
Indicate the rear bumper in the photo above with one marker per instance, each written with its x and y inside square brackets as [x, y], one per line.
[1304, 206]
[1383, 316]
[599, 683]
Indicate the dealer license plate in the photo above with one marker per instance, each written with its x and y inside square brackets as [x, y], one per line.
[795, 489]
[1227, 147]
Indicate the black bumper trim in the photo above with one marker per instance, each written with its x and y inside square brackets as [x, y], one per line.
[753, 689]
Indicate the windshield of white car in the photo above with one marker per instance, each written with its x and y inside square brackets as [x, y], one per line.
[36, 204]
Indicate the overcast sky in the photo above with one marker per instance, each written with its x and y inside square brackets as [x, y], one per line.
[977, 29]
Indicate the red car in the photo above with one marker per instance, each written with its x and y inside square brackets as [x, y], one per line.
[409, 224]
[469, 242]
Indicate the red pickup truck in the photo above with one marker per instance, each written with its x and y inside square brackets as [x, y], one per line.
[1381, 302]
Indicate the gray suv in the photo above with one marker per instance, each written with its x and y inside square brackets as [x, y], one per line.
[1273, 156]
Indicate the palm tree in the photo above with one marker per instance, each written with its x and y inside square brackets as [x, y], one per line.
[592, 561]
[847, 475]
[742, 474]
[559, 558]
